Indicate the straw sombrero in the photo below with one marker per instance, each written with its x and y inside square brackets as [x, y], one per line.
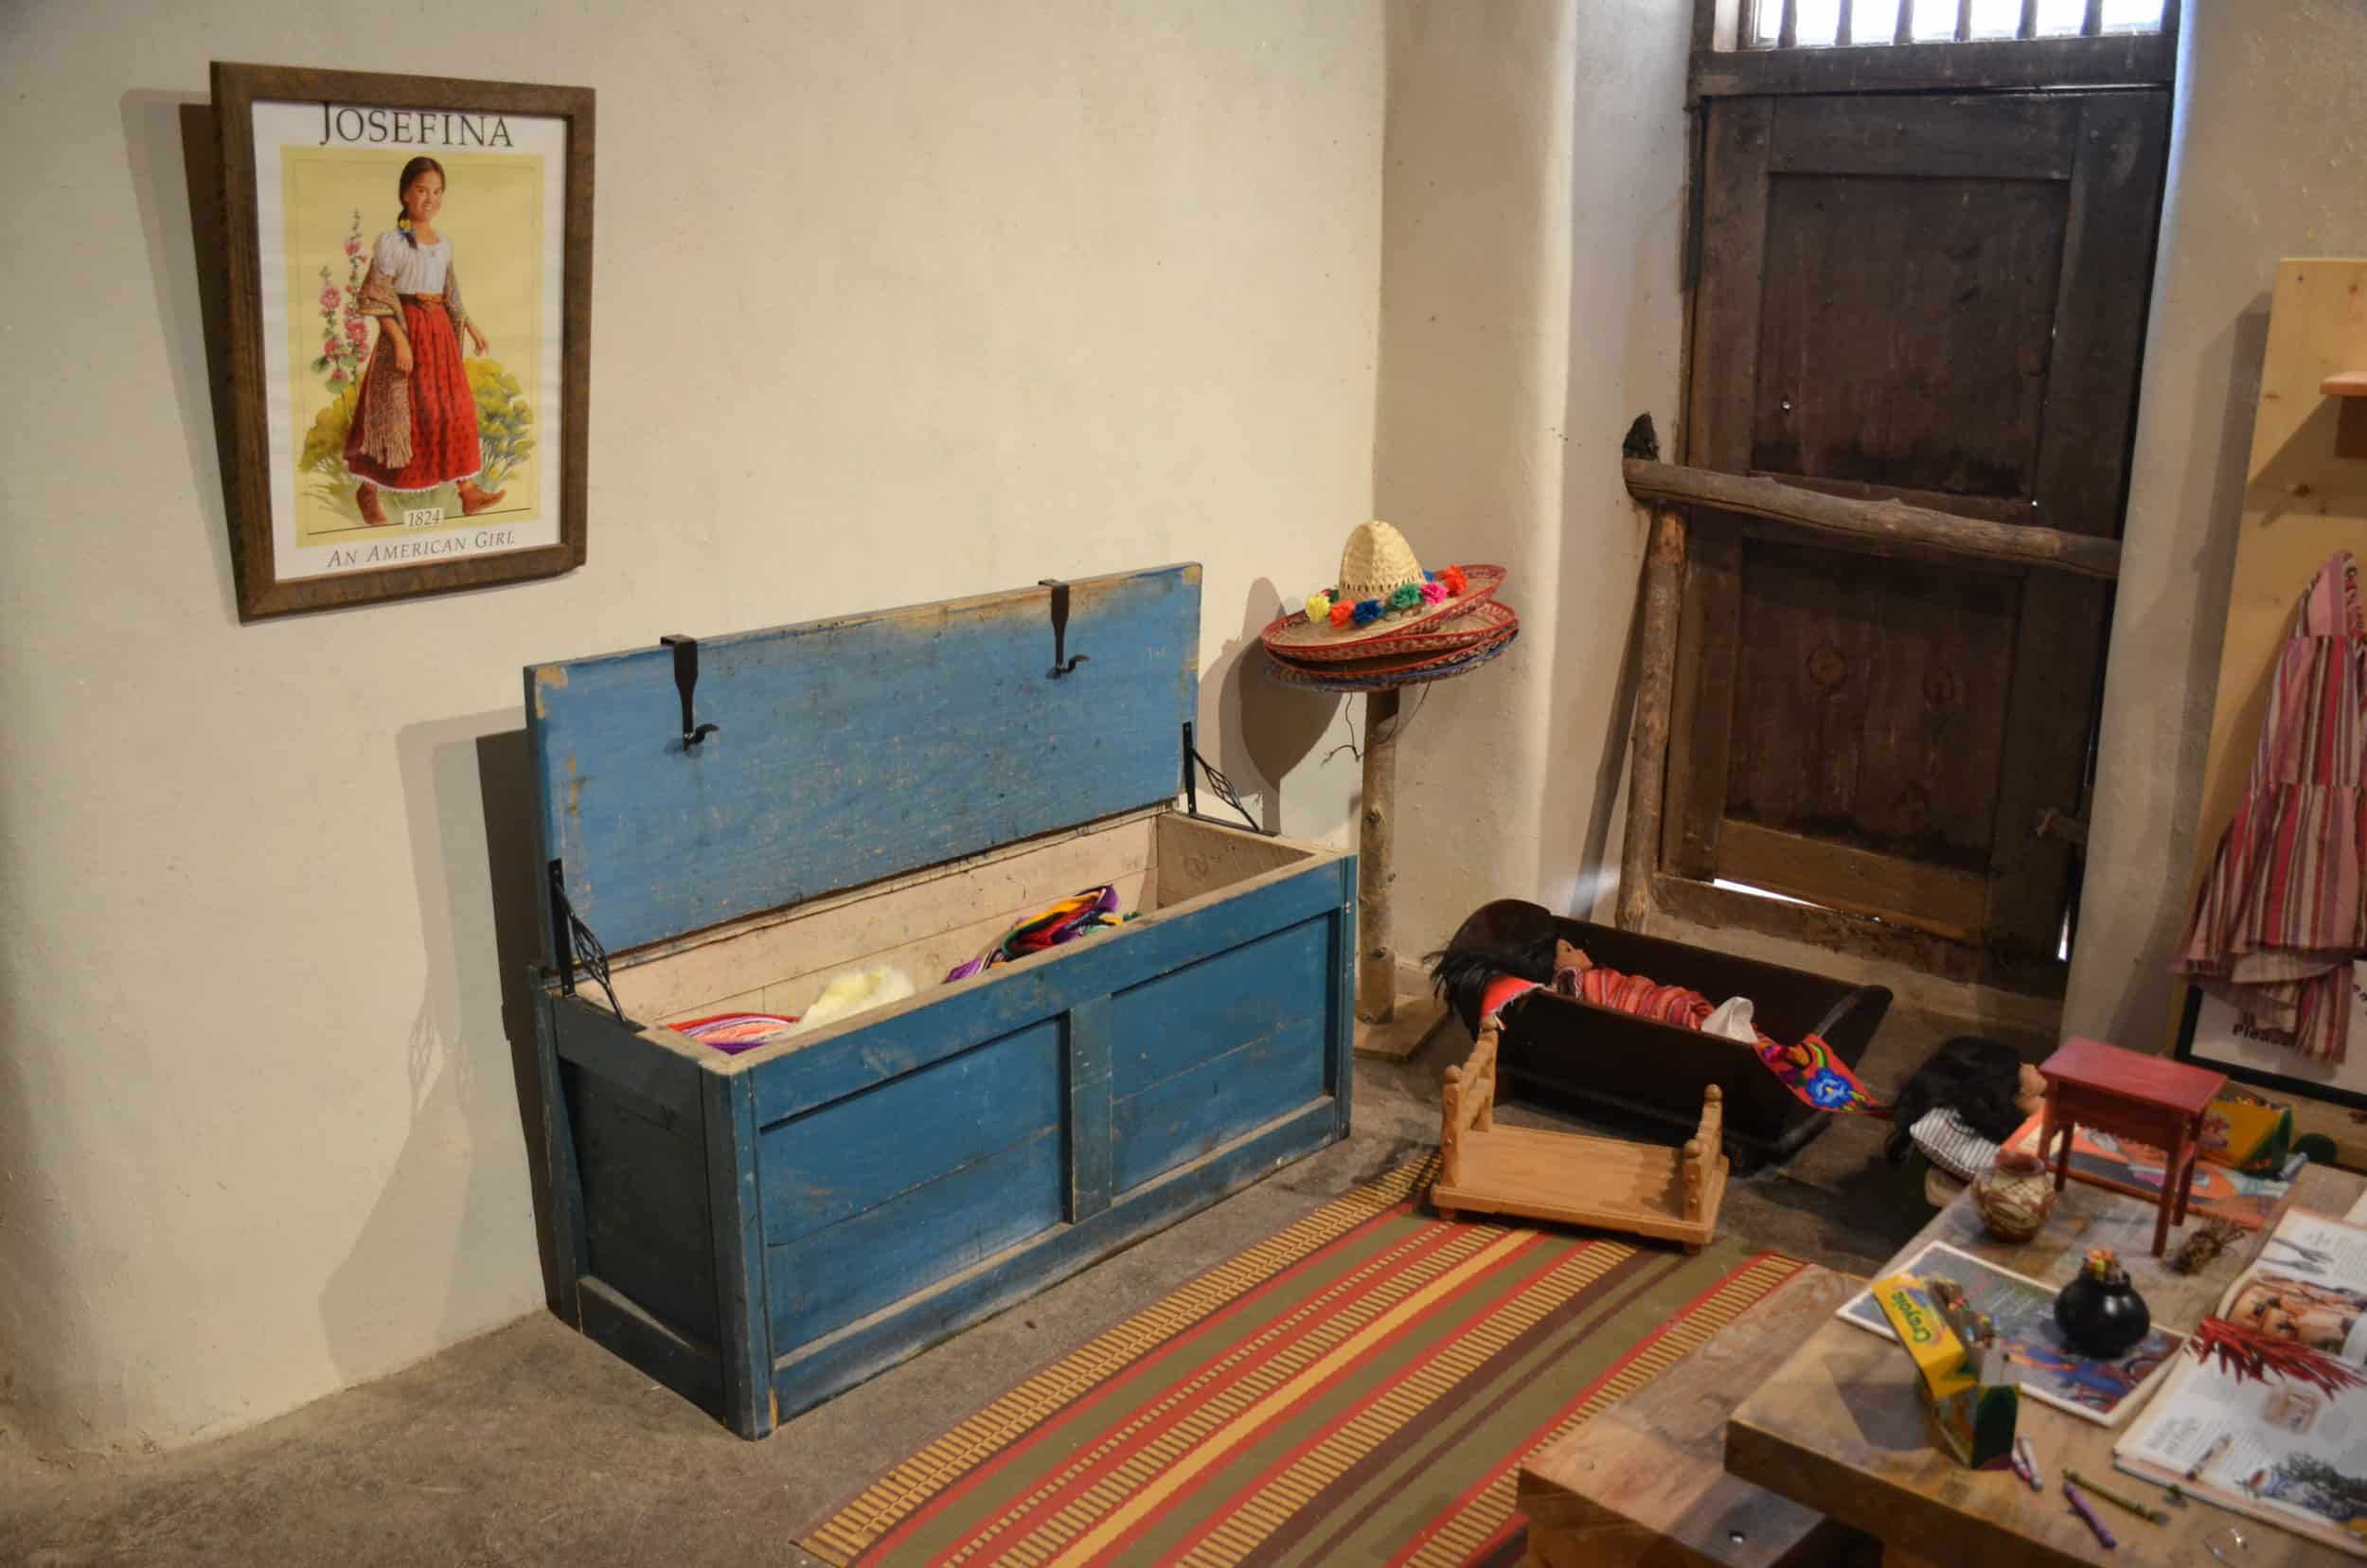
[1489, 624]
[1477, 623]
[1381, 593]
[1434, 668]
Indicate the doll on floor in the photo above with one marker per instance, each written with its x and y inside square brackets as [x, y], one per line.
[1967, 1098]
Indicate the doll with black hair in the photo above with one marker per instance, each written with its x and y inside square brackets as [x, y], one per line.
[1469, 977]
[1980, 1083]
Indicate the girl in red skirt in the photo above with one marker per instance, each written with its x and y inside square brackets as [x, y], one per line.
[414, 421]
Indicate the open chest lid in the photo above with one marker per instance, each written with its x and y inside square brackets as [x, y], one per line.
[848, 750]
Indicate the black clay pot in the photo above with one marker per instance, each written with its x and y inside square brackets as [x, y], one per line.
[2102, 1317]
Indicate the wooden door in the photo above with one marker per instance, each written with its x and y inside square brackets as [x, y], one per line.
[1939, 297]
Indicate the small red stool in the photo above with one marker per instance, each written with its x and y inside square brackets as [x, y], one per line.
[2132, 1096]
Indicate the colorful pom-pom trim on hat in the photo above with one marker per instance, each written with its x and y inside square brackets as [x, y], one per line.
[1435, 587]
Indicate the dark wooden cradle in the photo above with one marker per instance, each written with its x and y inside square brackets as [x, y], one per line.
[762, 1230]
[1561, 1050]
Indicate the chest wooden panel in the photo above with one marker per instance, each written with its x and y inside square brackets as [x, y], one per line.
[762, 1230]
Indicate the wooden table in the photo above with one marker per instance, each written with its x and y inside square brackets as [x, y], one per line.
[1837, 1428]
[1646, 1481]
[2140, 1097]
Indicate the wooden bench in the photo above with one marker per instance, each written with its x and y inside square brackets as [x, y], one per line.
[1643, 1189]
[1646, 1481]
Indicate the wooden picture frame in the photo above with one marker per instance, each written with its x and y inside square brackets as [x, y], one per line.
[321, 514]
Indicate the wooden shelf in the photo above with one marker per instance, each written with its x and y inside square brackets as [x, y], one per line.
[2345, 383]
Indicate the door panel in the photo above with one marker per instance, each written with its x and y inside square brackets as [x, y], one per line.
[1877, 696]
[1940, 298]
[1904, 332]
[2002, 136]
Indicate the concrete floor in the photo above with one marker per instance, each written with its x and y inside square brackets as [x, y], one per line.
[533, 1445]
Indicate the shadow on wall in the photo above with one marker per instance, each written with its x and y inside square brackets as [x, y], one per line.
[1254, 729]
[2193, 607]
[174, 160]
[469, 1181]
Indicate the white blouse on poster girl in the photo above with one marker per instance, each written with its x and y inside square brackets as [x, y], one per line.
[416, 268]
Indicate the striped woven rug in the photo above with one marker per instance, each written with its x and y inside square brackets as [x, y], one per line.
[1359, 1388]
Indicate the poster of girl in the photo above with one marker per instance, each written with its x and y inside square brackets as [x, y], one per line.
[409, 267]
[402, 421]
[414, 423]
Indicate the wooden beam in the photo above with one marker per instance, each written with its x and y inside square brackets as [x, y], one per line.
[1985, 64]
[1667, 484]
[1713, 909]
[1941, 900]
[1648, 736]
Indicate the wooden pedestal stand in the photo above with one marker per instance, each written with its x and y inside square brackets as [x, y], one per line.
[1390, 1023]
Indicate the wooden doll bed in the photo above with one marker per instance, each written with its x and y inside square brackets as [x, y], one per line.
[1563, 1051]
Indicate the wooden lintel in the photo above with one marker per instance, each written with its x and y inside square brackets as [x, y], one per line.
[1665, 484]
[1945, 65]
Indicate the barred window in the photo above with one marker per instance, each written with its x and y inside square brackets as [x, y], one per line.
[1815, 23]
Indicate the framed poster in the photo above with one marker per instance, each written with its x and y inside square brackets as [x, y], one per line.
[410, 271]
[2213, 1034]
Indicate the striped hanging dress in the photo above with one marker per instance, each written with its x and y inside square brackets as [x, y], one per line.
[2279, 919]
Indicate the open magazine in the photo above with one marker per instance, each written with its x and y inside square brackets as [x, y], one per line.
[2265, 1412]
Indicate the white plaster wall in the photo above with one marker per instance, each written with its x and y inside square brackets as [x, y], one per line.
[895, 301]
[1530, 308]
[2269, 160]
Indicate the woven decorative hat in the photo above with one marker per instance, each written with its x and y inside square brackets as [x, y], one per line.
[1381, 592]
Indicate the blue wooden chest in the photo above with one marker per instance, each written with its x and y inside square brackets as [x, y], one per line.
[761, 1231]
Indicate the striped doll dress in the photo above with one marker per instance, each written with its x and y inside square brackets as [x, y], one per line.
[2279, 919]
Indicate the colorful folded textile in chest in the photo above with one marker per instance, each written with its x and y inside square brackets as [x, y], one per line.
[1075, 916]
[735, 1032]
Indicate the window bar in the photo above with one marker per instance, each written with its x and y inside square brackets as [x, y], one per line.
[1963, 20]
[1844, 27]
[1906, 33]
[1787, 36]
[2029, 28]
[2092, 25]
